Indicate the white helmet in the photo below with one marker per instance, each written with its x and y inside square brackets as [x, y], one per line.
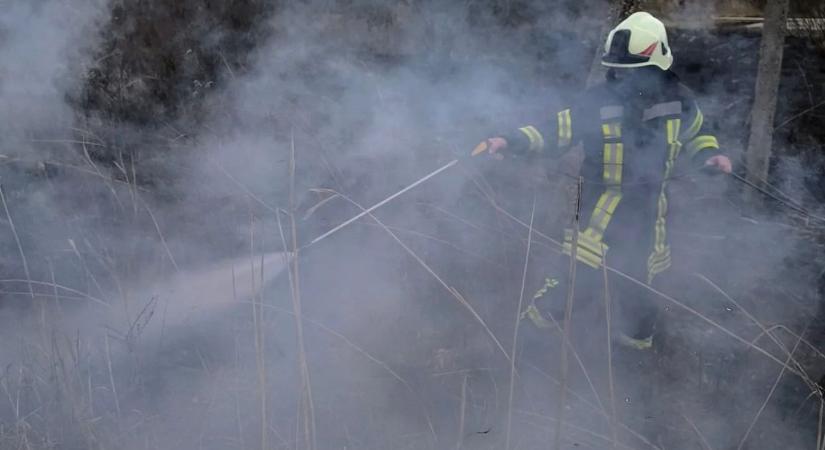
[640, 40]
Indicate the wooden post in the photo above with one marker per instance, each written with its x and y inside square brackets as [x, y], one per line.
[760, 140]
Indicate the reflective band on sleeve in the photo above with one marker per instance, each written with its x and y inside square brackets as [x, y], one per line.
[536, 139]
[662, 110]
[611, 112]
[691, 132]
[701, 143]
[565, 129]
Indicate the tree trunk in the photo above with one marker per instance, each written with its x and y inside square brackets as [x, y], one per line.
[767, 88]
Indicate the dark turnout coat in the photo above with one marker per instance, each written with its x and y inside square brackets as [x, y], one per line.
[633, 131]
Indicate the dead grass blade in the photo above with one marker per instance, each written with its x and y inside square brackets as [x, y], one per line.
[575, 427]
[607, 318]
[557, 246]
[516, 327]
[487, 193]
[258, 330]
[111, 375]
[552, 319]
[768, 397]
[317, 206]
[462, 413]
[361, 351]
[438, 278]
[593, 407]
[819, 425]
[17, 241]
[160, 233]
[58, 286]
[568, 314]
[242, 186]
[439, 241]
[764, 329]
[295, 288]
[705, 444]
[808, 343]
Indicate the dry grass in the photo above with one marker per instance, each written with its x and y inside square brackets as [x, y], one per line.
[516, 326]
[80, 388]
[568, 315]
[23, 259]
[96, 411]
[608, 317]
[770, 394]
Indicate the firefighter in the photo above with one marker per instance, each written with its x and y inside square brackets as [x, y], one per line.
[633, 127]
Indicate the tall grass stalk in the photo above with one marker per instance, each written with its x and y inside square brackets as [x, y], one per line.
[516, 327]
[568, 313]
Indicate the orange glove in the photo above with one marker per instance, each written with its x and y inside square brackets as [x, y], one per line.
[492, 146]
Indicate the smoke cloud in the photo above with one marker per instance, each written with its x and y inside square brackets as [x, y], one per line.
[172, 297]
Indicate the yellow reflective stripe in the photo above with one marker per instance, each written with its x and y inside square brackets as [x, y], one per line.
[657, 263]
[593, 247]
[584, 256]
[613, 159]
[659, 260]
[673, 126]
[659, 267]
[593, 235]
[603, 212]
[691, 132]
[588, 238]
[701, 143]
[611, 130]
[659, 256]
[589, 249]
[536, 139]
[565, 128]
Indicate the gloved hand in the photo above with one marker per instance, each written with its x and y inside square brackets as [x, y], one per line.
[719, 162]
[493, 146]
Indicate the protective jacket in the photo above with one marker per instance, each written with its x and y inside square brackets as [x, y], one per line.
[633, 131]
